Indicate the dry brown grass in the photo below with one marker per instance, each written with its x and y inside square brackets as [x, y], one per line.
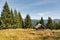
[28, 34]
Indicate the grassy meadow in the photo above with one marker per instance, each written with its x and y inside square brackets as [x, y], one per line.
[29, 34]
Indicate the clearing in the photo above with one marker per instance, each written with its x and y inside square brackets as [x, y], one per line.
[29, 34]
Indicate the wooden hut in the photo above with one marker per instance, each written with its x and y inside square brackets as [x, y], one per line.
[39, 26]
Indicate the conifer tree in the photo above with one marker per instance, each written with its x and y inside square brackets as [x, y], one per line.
[58, 25]
[49, 23]
[21, 20]
[12, 17]
[15, 18]
[28, 22]
[18, 19]
[0, 23]
[6, 16]
[54, 25]
[41, 21]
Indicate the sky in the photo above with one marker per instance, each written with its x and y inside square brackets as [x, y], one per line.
[35, 8]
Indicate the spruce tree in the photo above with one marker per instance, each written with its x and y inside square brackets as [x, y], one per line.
[18, 19]
[6, 16]
[54, 25]
[0, 23]
[28, 22]
[58, 25]
[12, 23]
[49, 23]
[12, 17]
[21, 20]
[41, 21]
[15, 18]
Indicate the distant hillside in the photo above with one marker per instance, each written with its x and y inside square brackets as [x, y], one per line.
[34, 21]
[45, 21]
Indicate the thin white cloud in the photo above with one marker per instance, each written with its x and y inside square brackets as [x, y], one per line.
[45, 15]
[42, 13]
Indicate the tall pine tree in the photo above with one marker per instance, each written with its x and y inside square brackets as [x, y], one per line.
[58, 25]
[49, 23]
[41, 21]
[28, 22]
[6, 16]
[15, 18]
[54, 25]
[21, 20]
[18, 19]
[12, 17]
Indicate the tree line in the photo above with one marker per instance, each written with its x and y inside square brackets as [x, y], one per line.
[13, 19]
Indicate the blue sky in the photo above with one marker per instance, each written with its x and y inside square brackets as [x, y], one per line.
[35, 8]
